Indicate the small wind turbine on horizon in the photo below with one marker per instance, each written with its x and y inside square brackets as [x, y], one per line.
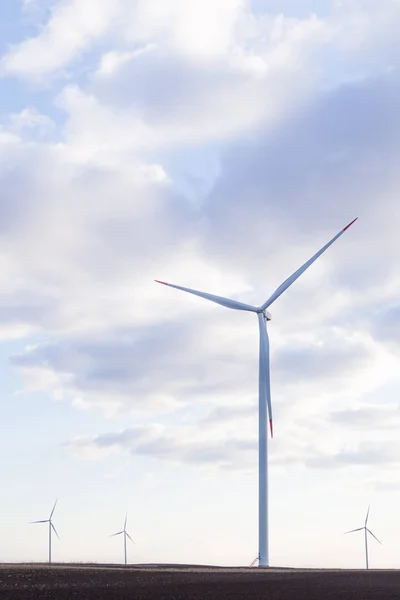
[126, 535]
[51, 527]
[264, 387]
[366, 532]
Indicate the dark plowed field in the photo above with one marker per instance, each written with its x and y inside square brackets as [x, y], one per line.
[62, 582]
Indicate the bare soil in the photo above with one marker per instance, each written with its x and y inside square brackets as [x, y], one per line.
[73, 582]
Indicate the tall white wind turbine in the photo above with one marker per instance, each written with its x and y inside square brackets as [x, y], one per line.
[126, 535]
[264, 391]
[366, 532]
[51, 527]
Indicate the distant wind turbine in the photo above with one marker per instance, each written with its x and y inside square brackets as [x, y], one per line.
[51, 528]
[126, 535]
[366, 532]
[264, 390]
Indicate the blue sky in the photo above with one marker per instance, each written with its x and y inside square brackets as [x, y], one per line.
[215, 144]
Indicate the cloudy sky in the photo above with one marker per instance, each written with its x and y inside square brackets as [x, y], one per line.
[216, 144]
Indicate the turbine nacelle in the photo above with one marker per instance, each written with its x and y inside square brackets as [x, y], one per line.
[266, 313]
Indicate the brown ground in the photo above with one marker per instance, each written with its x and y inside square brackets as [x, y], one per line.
[73, 582]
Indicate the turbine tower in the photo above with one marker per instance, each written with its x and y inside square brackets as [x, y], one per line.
[264, 390]
[126, 535]
[51, 528]
[366, 532]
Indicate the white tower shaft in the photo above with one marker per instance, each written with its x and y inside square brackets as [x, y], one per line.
[49, 541]
[263, 450]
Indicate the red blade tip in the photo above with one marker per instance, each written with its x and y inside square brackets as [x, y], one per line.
[271, 428]
[163, 282]
[350, 224]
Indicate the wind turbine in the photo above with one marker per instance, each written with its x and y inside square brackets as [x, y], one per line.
[126, 535]
[264, 390]
[51, 527]
[366, 532]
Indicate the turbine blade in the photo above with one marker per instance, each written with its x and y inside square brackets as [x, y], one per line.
[118, 533]
[227, 302]
[55, 504]
[366, 518]
[44, 521]
[54, 529]
[126, 518]
[288, 282]
[265, 384]
[127, 535]
[374, 536]
[353, 530]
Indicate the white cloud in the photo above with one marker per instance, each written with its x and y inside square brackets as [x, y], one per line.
[153, 98]
[92, 218]
[210, 32]
[113, 60]
[176, 445]
[201, 28]
[72, 26]
[30, 120]
[367, 417]
[29, 117]
[222, 443]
